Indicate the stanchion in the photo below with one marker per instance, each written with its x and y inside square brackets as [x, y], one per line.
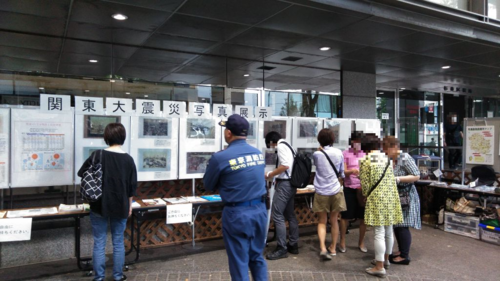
[194, 245]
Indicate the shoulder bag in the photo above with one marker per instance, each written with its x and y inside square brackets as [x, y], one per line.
[91, 184]
[361, 197]
[334, 169]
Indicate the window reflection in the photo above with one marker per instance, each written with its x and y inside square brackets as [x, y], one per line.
[308, 104]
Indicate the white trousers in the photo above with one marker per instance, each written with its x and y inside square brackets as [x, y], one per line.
[383, 241]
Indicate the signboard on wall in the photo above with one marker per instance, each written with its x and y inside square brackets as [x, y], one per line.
[479, 145]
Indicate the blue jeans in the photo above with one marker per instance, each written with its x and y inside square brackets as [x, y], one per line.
[99, 231]
[244, 233]
[284, 209]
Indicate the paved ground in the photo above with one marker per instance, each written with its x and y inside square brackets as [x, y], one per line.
[436, 255]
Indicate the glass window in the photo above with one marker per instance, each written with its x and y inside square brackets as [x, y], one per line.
[385, 112]
[484, 107]
[311, 104]
[278, 101]
[456, 4]
[245, 97]
[493, 6]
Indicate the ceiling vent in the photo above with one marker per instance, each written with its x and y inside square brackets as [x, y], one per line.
[265, 67]
[291, 58]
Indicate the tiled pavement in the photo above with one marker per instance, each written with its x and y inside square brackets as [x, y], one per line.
[436, 255]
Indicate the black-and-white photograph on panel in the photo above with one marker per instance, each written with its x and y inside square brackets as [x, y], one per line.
[305, 133]
[154, 147]
[281, 125]
[199, 139]
[342, 129]
[89, 136]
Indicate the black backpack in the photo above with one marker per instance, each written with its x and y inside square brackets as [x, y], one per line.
[301, 169]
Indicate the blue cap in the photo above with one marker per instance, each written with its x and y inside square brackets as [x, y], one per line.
[237, 125]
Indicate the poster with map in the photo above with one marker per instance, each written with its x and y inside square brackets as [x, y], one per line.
[479, 145]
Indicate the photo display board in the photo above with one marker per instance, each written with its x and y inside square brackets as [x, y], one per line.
[368, 126]
[89, 136]
[154, 147]
[199, 139]
[253, 131]
[42, 154]
[342, 129]
[282, 125]
[4, 147]
[305, 133]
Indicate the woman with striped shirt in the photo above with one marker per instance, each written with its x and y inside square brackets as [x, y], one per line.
[406, 173]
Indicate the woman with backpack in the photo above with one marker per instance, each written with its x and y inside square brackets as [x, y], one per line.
[383, 208]
[114, 206]
[329, 196]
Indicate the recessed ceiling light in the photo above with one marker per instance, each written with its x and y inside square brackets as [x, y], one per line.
[127, 93]
[119, 17]
[93, 61]
[445, 67]
[403, 89]
[112, 81]
[246, 75]
[86, 91]
[145, 96]
[41, 88]
[324, 49]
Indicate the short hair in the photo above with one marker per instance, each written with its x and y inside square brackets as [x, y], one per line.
[115, 134]
[356, 136]
[370, 142]
[390, 141]
[326, 137]
[272, 136]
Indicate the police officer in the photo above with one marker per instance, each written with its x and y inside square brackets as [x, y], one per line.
[237, 173]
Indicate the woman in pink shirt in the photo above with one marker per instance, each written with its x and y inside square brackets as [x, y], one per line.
[355, 210]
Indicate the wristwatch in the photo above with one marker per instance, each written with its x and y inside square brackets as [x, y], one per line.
[397, 180]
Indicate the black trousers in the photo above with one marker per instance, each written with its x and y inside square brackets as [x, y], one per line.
[403, 236]
[454, 158]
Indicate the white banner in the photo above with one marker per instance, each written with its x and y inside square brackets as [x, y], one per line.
[147, 107]
[245, 111]
[222, 110]
[89, 105]
[55, 103]
[176, 109]
[15, 229]
[179, 213]
[118, 106]
[197, 109]
[263, 113]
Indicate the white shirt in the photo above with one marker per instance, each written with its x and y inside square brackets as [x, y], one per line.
[285, 158]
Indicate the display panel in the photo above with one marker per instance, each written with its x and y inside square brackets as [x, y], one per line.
[253, 129]
[368, 126]
[154, 146]
[282, 125]
[201, 137]
[89, 136]
[4, 147]
[43, 150]
[305, 134]
[342, 129]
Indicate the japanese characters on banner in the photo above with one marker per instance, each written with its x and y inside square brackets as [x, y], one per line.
[15, 229]
[179, 213]
[89, 105]
[222, 111]
[119, 106]
[43, 150]
[305, 132]
[199, 110]
[263, 113]
[245, 111]
[4, 147]
[55, 103]
[154, 146]
[147, 108]
[479, 145]
[174, 109]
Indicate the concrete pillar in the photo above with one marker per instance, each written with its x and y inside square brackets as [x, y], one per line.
[358, 95]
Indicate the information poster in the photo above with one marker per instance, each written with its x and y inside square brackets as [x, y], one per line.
[479, 145]
[4, 147]
[305, 133]
[342, 129]
[283, 126]
[199, 139]
[89, 136]
[154, 147]
[42, 154]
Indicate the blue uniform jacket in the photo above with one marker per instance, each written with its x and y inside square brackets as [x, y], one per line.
[238, 173]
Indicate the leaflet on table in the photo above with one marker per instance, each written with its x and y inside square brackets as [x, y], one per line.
[2, 214]
[73, 208]
[194, 199]
[175, 200]
[32, 212]
[215, 197]
[153, 202]
[136, 205]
